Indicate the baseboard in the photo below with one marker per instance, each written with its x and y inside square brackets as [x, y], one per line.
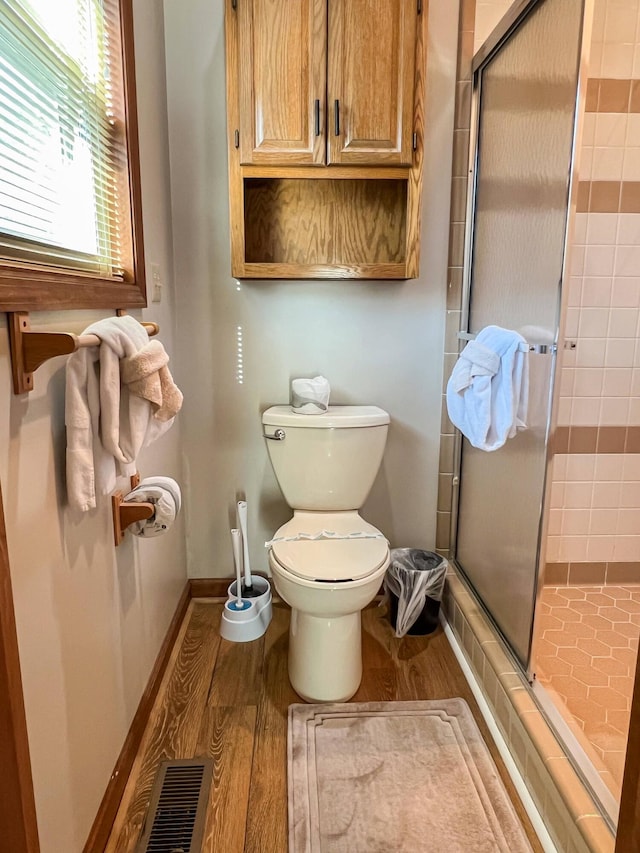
[209, 587]
[214, 587]
[103, 823]
[218, 587]
[106, 815]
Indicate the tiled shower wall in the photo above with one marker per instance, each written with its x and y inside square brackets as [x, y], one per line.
[594, 527]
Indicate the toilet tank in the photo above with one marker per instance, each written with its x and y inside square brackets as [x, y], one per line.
[326, 462]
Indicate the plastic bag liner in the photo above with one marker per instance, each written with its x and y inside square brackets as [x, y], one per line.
[414, 577]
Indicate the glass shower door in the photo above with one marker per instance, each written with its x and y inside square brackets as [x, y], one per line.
[527, 98]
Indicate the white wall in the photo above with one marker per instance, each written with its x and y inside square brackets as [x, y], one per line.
[90, 618]
[377, 342]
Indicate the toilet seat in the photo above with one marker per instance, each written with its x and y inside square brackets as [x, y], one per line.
[330, 560]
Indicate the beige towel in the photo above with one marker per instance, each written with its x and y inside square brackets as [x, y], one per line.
[107, 426]
[146, 375]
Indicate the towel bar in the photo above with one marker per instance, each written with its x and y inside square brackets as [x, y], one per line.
[31, 349]
[538, 349]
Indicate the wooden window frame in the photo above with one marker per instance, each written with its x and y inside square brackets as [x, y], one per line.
[31, 288]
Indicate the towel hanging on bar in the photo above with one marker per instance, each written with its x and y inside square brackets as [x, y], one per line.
[487, 393]
[107, 424]
[524, 346]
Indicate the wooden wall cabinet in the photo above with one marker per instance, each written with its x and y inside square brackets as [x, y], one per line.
[325, 117]
[371, 81]
[283, 80]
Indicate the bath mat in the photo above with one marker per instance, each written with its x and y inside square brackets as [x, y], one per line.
[395, 777]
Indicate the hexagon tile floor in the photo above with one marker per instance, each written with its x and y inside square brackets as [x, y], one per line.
[586, 655]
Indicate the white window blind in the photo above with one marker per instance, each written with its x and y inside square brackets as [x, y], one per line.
[64, 192]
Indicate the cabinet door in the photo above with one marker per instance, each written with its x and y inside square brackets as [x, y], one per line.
[371, 70]
[282, 61]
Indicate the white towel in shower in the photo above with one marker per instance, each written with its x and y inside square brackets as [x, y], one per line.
[488, 391]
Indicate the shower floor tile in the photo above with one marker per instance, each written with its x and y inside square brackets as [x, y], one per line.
[587, 644]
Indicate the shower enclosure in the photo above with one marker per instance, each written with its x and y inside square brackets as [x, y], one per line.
[525, 96]
[528, 192]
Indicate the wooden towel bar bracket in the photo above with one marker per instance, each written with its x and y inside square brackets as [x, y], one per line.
[31, 349]
[128, 512]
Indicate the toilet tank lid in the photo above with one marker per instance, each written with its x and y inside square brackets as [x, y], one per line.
[337, 417]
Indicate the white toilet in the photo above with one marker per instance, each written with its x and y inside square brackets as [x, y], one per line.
[327, 562]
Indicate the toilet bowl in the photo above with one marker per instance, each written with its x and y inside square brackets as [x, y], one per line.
[327, 582]
[327, 562]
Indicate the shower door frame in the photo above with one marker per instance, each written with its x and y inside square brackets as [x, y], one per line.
[509, 24]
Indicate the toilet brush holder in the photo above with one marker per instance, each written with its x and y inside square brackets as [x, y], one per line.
[250, 622]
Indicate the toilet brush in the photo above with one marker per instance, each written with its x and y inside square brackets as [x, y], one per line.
[238, 604]
[247, 587]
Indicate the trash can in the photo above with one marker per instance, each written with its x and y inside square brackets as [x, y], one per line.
[414, 583]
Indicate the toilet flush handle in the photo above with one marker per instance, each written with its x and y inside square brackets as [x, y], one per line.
[279, 435]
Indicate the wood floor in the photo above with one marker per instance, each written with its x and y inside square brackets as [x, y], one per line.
[229, 701]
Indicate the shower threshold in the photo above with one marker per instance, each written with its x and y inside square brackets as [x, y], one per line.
[580, 754]
[574, 815]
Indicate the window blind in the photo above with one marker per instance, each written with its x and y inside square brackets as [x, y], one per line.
[64, 194]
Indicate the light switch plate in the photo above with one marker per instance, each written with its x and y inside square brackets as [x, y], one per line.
[156, 283]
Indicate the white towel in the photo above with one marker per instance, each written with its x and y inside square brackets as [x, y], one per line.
[488, 391]
[106, 425]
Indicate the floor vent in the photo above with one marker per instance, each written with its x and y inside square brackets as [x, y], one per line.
[178, 807]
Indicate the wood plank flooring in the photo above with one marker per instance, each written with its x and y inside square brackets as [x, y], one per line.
[229, 701]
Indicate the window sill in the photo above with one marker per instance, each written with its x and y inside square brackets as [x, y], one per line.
[31, 290]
